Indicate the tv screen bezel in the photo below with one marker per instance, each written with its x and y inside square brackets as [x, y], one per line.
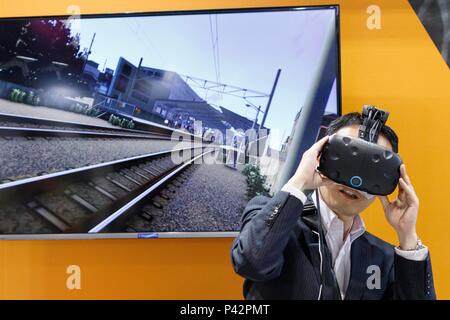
[155, 235]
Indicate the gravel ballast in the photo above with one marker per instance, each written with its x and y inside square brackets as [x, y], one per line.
[211, 199]
[21, 157]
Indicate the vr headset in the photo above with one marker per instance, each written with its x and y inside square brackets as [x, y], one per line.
[360, 163]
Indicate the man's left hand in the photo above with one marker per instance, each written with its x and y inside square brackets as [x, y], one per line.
[402, 212]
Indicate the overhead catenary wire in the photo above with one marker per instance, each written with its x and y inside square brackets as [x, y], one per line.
[142, 30]
[214, 34]
[213, 46]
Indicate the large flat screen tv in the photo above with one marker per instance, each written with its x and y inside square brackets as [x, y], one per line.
[158, 124]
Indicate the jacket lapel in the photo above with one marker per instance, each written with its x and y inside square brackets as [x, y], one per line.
[311, 238]
[361, 253]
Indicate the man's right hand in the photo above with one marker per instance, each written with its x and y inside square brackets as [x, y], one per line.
[307, 177]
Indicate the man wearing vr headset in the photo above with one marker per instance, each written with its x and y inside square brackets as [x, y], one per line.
[280, 254]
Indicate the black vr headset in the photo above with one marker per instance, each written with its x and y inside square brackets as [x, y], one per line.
[360, 163]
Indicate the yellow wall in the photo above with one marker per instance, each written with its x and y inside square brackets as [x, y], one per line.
[396, 67]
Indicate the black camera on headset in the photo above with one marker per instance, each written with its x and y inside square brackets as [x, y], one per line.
[361, 163]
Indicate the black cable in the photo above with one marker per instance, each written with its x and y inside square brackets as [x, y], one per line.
[319, 231]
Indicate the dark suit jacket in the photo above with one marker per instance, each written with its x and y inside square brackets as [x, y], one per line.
[277, 252]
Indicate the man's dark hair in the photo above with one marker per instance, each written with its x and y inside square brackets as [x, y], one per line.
[355, 118]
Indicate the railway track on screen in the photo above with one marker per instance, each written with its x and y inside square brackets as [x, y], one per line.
[96, 198]
[14, 125]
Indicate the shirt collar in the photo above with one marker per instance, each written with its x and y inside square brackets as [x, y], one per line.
[329, 217]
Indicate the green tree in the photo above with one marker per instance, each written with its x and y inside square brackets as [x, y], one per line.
[256, 182]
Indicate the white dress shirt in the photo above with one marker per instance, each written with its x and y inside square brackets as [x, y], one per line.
[339, 247]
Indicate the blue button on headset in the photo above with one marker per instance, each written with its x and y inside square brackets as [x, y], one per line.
[356, 181]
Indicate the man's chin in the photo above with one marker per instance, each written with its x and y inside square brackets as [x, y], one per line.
[345, 210]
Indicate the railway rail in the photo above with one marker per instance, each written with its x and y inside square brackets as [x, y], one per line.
[14, 125]
[95, 198]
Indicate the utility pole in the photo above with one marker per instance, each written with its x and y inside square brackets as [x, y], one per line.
[256, 118]
[266, 111]
[270, 98]
[104, 65]
[90, 46]
[89, 51]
